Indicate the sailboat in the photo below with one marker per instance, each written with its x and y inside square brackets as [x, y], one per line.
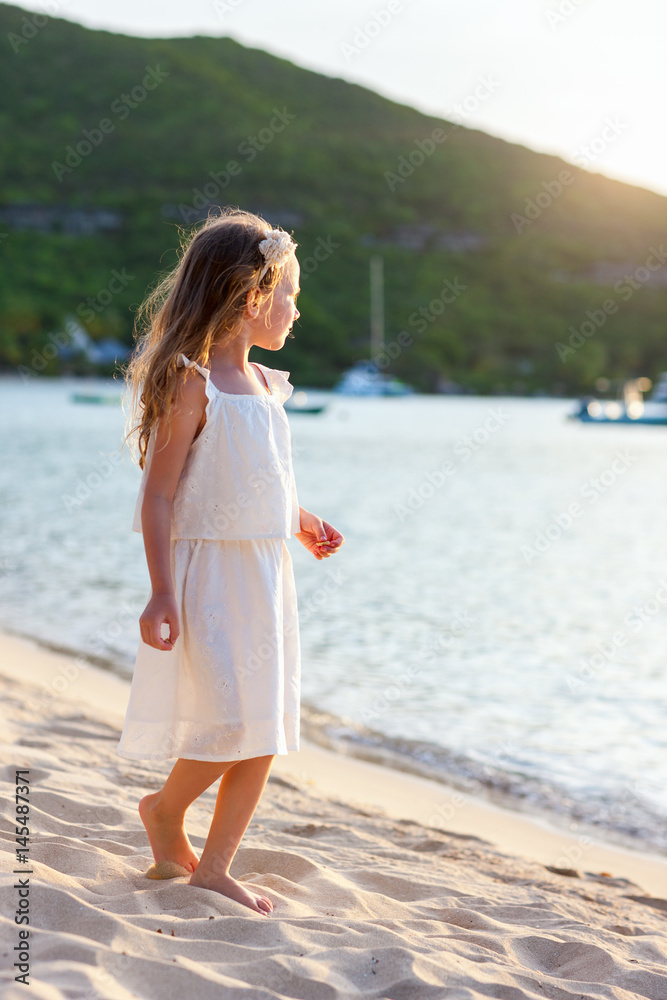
[364, 378]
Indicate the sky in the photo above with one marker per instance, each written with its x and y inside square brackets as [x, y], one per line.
[582, 79]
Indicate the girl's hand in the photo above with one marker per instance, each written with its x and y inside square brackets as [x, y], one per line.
[318, 536]
[161, 608]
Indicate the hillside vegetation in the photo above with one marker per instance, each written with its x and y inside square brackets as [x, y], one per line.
[510, 270]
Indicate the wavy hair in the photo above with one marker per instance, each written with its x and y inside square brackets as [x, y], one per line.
[198, 304]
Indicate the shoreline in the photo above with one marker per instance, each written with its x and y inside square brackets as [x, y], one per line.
[401, 794]
[320, 729]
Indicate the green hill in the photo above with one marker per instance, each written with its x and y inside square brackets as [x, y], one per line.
[111, 142]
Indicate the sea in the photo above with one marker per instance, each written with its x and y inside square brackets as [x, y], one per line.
[496, 618]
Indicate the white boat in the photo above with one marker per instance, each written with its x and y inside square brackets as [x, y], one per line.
[632, 408]
[365, 378]
[299, 402]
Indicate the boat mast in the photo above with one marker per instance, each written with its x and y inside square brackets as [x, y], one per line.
[377, 307]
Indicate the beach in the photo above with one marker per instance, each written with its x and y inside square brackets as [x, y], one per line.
[383, 884]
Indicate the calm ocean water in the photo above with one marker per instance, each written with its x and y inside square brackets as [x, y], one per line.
[497, 616]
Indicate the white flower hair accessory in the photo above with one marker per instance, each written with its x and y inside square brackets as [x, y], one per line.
[276, 249]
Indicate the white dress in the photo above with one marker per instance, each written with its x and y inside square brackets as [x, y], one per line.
[230, 687]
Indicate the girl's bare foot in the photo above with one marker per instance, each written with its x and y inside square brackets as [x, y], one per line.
[168, 840]
[228, 886]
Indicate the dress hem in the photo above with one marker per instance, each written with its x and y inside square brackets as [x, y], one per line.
[204, 757]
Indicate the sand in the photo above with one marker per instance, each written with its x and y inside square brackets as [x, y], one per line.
[383, 884]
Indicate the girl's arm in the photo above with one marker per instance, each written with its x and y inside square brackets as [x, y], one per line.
[161, 481]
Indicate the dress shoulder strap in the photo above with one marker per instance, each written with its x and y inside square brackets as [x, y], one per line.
[183, 361]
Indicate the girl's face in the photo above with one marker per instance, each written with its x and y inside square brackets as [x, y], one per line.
[274, 322]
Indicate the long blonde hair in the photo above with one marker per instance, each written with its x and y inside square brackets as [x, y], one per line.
[198, 304]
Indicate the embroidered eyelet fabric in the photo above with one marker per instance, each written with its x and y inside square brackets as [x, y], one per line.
[229, 689]
[238, 479]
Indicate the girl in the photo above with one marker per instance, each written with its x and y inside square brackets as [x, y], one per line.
[217, 500]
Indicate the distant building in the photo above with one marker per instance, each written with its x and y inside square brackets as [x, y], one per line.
[608, 272]
[427, 236]
[100, 352]
[191, 213]
[60, 218]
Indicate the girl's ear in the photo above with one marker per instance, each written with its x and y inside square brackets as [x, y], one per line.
[252, 303]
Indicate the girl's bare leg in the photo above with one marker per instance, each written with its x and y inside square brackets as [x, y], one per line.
[163, 812]
[240, 790]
